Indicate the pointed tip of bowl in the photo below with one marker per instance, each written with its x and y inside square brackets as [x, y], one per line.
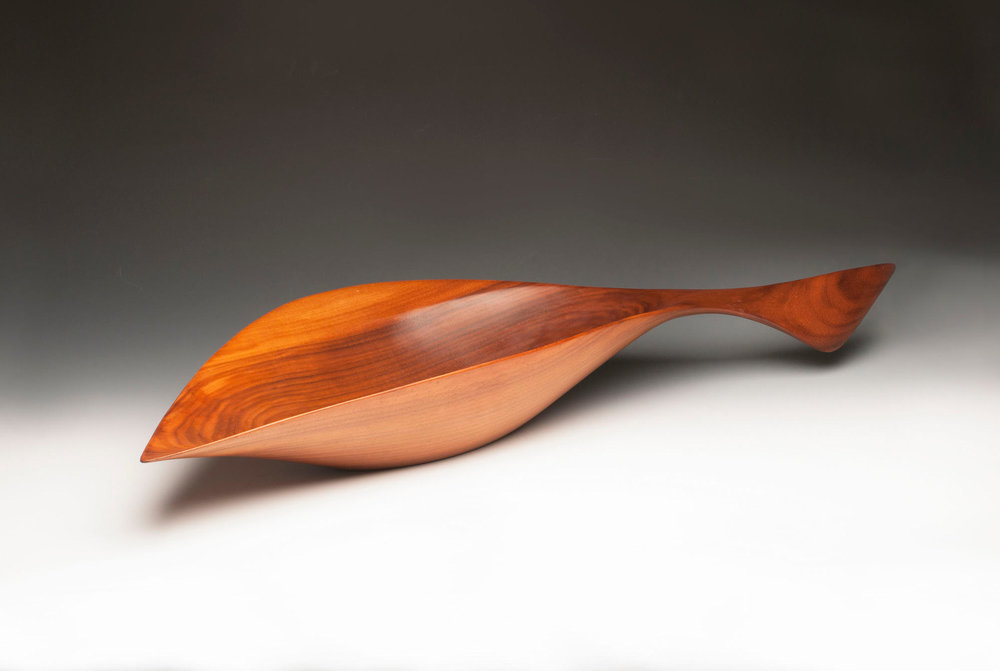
[151, 454]
[167, 442]
[885, 270]
[161, 448]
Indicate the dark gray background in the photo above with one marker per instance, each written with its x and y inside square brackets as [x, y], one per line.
[170, 171]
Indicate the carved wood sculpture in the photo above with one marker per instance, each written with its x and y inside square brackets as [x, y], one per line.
[401, 373]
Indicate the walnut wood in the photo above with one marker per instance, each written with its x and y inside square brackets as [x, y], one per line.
[400, 373]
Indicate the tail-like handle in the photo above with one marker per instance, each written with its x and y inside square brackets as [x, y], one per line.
[820, 311]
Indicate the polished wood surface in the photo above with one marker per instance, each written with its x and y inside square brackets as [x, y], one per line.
[400, 373]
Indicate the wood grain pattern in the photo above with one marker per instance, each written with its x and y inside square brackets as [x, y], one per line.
[400, 373]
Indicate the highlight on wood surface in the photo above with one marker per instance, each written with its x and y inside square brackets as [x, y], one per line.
[400, 373]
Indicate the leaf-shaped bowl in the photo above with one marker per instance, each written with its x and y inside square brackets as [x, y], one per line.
[398, 373]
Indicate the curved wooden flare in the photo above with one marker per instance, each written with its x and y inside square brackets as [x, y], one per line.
[401, 373]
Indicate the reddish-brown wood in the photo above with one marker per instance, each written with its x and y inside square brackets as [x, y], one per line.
[400, 373]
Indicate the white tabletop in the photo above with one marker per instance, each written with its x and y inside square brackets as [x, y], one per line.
[751, 506]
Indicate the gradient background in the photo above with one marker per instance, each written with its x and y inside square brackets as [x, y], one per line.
[715, 497]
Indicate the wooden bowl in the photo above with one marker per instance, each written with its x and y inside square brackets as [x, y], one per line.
[399, 373]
